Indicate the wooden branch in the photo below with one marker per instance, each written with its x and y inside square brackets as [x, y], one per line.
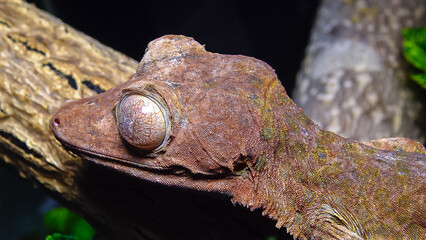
[354, 77]
[44, 62]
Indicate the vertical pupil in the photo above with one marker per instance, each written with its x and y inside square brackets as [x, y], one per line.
[141, 122]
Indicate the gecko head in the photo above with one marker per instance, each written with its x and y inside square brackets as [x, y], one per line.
[185, 113]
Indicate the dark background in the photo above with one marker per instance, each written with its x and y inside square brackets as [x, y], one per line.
[276, 32]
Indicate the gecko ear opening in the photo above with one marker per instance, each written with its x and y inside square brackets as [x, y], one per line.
[142, 121]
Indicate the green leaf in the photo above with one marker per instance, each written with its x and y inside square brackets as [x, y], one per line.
[415, 55]
[62, 221]
[416, 35]
[271, 238]
[58, 236]
[420, 79]
[82, 230]
[415, 52]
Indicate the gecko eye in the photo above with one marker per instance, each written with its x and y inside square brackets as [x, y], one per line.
[142, 121]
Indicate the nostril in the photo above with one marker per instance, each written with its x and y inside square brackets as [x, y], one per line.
[56, 122]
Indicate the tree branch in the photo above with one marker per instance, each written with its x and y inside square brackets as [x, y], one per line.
[44, 62]
[354, 79]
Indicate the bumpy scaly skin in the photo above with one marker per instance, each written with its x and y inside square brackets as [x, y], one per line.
[235, 130]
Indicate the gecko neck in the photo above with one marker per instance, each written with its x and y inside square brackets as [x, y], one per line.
[290, 184]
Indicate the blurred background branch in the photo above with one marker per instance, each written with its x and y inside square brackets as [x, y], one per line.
[354, 79]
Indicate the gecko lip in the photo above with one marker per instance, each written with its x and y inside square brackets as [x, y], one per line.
[90, 155]
[147, 166]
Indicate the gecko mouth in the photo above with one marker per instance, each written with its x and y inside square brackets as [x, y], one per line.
[146, 162]
[121, 164]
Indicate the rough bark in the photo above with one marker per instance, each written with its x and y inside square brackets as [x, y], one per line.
[354, 77]
[44, 62]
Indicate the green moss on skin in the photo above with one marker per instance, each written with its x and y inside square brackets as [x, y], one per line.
[260, 162]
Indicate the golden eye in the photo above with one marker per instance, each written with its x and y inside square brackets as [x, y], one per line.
[142, 122]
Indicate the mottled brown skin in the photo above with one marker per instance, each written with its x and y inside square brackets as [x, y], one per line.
[234, 130]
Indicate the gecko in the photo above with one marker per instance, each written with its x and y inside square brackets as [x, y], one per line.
[212, 122]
